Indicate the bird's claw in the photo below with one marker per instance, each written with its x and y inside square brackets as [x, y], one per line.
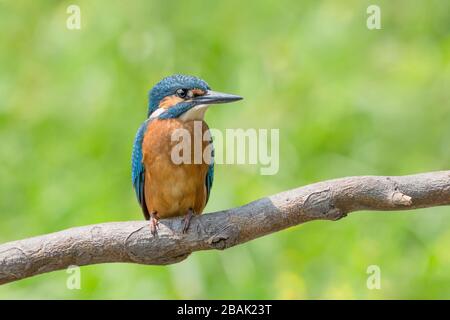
[154, 224]
[187, 220]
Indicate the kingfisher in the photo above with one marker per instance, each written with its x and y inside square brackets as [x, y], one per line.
[166, 188]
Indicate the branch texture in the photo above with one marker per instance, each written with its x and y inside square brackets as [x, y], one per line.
[133, 242]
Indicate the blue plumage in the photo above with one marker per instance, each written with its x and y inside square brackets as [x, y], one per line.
[209, 180]
[137, 167]
[176, 111]
[169, 85]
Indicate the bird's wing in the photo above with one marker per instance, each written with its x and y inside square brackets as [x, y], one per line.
[210, 175]
[137, 168]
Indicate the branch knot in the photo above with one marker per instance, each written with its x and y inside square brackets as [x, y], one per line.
[401, 199]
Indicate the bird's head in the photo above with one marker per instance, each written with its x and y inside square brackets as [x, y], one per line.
[184, 96]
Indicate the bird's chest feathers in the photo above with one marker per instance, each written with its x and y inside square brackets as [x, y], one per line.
[173, 186]
[173, 150]
[171, 137]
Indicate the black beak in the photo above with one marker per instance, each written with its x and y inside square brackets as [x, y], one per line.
[213, 97]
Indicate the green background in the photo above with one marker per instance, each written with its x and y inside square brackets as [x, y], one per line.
[347, 100]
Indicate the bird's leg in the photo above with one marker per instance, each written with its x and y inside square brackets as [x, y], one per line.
[154, 222]
[187, 220]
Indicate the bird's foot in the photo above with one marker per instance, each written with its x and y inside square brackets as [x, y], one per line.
[154, 223]
[187, 220]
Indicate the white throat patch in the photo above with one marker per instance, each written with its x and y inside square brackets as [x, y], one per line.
[156, 113]
[195, 113]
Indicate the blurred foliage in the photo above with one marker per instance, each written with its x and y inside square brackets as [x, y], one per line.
[347, 100]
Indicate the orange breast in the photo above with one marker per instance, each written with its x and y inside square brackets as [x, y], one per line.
[172, 189]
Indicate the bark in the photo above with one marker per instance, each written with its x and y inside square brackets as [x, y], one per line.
[133, 242]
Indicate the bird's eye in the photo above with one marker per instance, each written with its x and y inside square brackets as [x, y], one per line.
[182, 93]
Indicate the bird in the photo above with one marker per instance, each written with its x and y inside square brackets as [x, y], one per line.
[166, 188]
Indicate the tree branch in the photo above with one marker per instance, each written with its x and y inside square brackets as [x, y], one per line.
[133, 242]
